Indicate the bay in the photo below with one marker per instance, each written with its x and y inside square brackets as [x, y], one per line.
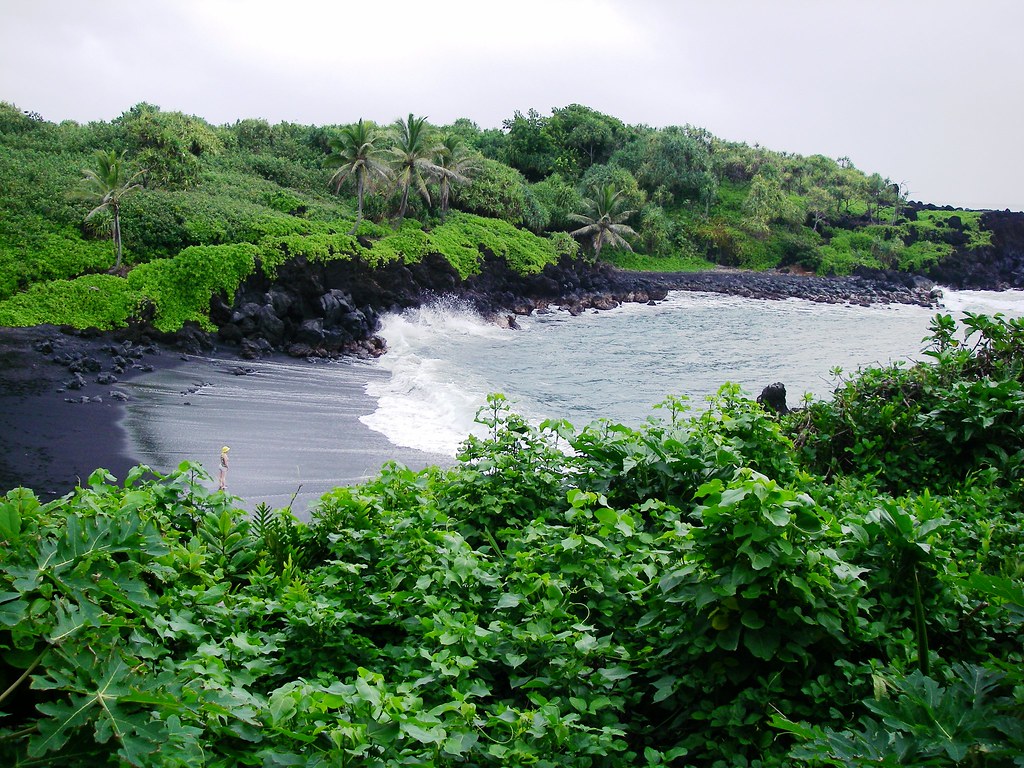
[298, 429]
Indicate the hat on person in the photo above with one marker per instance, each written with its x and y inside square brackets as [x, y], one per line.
[225, 449]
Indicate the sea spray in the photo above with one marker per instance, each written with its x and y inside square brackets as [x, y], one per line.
[1009, 303]
[429, 401]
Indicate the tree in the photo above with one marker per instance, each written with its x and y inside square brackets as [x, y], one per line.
[898, 194]
[876, 191]
[497, 191]
[605, 224]
[673, 159]
[105, 183]
[530, 148]
[631, 195]
[819, 204]
[355, 153]
[253, 134]
[412, 159]
[453, 164]
[765, 202]
[585, 136]
[559, 199]
[169, 145]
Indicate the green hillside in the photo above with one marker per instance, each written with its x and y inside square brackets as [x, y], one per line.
[204, 205]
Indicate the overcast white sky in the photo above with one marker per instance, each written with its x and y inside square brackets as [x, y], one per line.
[926, 92]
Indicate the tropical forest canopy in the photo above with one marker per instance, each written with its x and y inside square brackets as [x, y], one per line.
[161, 186]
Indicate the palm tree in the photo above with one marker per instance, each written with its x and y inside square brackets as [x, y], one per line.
[355, 153]
[105, 183]
[411, 159]
[605, 224]
[454, 164]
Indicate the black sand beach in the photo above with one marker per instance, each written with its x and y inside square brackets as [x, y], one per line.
[46, 443]
[293, 426]
[52, 438]
[65, 395]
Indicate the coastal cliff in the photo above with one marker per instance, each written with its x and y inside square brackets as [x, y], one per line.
[997, 266]
[325, 310]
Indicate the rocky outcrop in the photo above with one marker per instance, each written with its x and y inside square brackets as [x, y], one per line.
[318, 310]
[993, 267]
[774, 397]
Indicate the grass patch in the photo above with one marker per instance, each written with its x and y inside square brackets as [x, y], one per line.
[638, 262]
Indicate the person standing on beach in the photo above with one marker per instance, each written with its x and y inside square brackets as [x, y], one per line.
[222, 480]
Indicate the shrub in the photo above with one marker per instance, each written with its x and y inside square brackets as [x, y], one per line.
[179, 289]
[92, 301]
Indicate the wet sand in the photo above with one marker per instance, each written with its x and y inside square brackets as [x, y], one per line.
[292, 426]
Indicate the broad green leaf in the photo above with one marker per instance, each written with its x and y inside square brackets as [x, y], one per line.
[606, 516]
[282, 707]
[762, 643]
[665, 687]
[508, 600]
[613, 674]
[777, 515]
[367, 691]
[12, 608]
[10, 521]
[71, 618]
[434, 735]
[752, 620]
[460, 742]
[99, 702]
[760, 561]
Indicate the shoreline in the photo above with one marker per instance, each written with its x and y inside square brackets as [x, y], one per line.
[60, 421]
[293, 427]
[53, 438]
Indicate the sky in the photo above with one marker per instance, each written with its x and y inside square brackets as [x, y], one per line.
[929, 93]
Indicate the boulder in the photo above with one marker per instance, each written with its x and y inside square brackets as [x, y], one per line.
[773, 397]
[310, 332]
[86, 364]
[334, 305]
[75, 382]
[270, 326]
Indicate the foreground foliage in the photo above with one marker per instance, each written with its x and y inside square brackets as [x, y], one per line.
[709, 589]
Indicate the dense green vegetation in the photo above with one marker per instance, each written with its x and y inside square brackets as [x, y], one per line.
[656, 199]
[842, 586]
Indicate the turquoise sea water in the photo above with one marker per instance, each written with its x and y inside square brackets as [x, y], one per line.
[298, 428]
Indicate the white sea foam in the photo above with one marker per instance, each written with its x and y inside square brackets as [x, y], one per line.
[1009, 303]
[429, 401]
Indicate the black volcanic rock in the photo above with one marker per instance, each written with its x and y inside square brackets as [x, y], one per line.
[993, 267]
[774, 397]
[325, 310]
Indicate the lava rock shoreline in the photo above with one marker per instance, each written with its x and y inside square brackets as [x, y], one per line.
[330, 310]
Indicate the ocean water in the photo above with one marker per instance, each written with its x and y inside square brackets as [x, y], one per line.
[618, 364]
[298, 429]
